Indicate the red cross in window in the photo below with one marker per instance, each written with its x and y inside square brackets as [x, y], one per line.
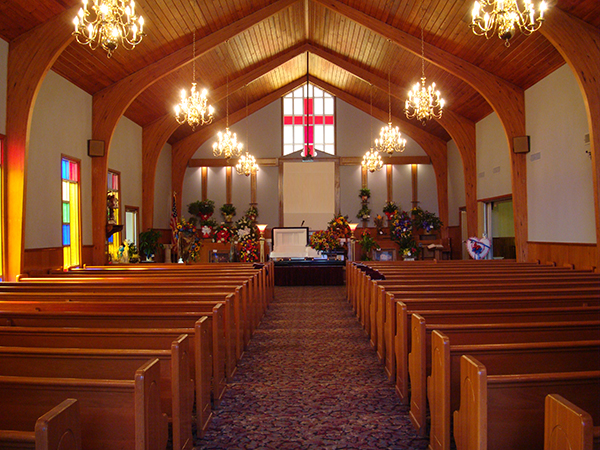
[309, 120]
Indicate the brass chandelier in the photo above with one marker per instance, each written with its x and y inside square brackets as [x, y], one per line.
[227, 144]
[503, 17]
[247, 163]
[194, 109]
[372, 160]
[424, 103]
[390, 140]
[108, 23]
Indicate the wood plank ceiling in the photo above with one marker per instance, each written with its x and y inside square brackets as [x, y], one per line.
[272, 53]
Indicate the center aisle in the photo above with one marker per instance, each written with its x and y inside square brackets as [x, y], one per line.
[310, 380]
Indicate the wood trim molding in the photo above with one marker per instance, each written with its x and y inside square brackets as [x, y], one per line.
[228, 183]
[204, 174]
[389, 181]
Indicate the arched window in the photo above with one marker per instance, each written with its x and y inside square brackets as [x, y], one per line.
[308, 121]
[71, 212]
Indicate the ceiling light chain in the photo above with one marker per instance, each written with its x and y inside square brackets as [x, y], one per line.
[247, 163]
[194, 109]
[372, 161]
[503, 17]
[108, 24]
[390, 140]
[227, 144]
[424, 103]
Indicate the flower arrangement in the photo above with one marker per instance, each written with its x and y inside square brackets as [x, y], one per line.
[207, 228]
[195, 250]
[364, 213]
[252, 213]
[324, 241]
[412, 251]
[368, 243]
[203, 209]
[401, 229]
[364, 194]
[222, 234]
[339, 226]
[246, 229]
[389, 209]
[228, 211]
[249, 251]
[426, 220]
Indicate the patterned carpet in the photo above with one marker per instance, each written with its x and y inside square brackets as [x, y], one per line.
[310, 380]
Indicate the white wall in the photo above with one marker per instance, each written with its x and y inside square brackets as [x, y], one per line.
[559, 172]
[61, 124]
[493, 159]
[3, 83]
[126, 157]
[456, 184]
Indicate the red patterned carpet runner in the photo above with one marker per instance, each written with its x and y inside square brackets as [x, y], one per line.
[310, 380]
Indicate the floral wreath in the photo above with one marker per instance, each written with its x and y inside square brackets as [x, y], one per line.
[246, 229]
[222, 234]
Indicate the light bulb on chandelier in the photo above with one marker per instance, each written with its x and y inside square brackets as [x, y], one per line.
[194, 109]
[108, 23]
[503, 17]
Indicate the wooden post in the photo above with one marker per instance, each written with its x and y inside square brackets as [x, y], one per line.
[204, 173]
[415, 185]
[389, 182]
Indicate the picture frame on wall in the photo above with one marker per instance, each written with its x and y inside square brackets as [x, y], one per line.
[384, 254]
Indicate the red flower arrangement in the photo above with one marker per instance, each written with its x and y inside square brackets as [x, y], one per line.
[222, 234]
[249, 251]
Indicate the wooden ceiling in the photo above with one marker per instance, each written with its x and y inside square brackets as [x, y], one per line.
[260, 46]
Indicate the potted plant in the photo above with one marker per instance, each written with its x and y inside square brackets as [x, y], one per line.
[228, 211]
[425, 220]
[252, 213]
[364, 213]
[367, 244]
[148, 243]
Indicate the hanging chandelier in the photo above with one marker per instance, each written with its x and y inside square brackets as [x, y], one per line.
[246, 165]
[424, 103]
[108, 23]
[372, 161]
[390, 140]
[227, 144]
[503, 17]
[194, 109]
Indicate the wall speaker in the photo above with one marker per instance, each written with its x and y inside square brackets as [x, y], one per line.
[521, 144]
[95, 148]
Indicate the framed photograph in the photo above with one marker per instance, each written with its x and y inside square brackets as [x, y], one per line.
[219, 257]
[384, 254]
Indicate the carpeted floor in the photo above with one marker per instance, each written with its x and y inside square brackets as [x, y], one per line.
[310, 380]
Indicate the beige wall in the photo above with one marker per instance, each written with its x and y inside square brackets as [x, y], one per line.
[493, 159]
[456, 184]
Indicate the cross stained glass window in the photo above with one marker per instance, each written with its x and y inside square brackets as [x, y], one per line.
[71, 216]
[308, 121]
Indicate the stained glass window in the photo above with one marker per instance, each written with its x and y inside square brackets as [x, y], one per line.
[114, 240]
[71, 217]
[308, 121]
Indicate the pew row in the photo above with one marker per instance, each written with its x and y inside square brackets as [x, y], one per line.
[128, 339]
[58, 429]
[529, 357]
[176, 389]
[419, 360]
[507, 411]
[114, 414]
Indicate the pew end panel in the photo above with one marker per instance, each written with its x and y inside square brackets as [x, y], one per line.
[59, 428]
[416, 361]
[470, 421]
[151, 427]
[566, 425]
[202, 348]
[401, 347]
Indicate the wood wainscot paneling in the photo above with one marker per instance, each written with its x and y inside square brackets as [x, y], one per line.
[581, 256]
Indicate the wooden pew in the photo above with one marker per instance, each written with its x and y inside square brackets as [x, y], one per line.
[176, 389]
[114, 413]
[122, 319]
[480, 333]
[443, 387]
[58, 429]
[568, 426]
[507, 411]
[132, 338]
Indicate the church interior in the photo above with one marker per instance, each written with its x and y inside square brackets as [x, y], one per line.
[415, 170]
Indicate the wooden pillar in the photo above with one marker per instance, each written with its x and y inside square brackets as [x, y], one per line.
[389, 181]
[253, 186]
[415, 184]
[228, 184]
[364, 183]
[204, 174]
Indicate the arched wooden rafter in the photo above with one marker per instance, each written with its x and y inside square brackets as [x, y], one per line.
[507, 100]
[579, 44]
[111, 103]
[154, 139]
[30, 57]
